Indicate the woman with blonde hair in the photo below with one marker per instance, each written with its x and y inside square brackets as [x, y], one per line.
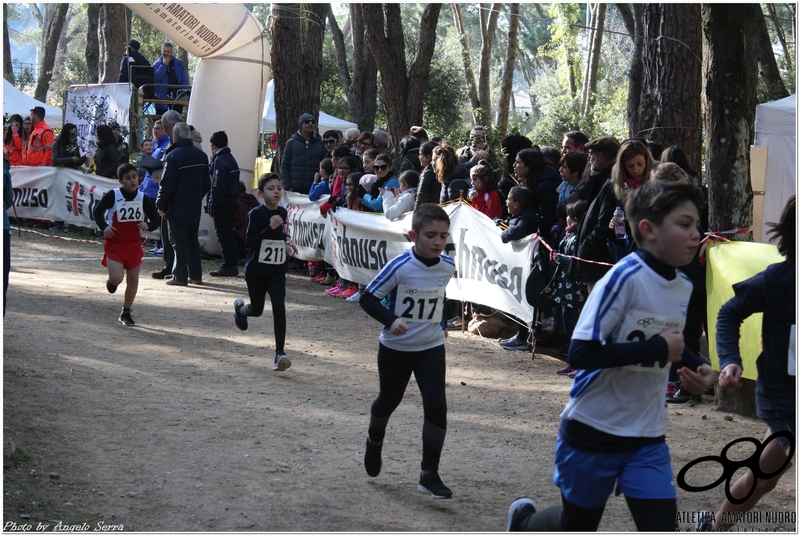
[632, 169]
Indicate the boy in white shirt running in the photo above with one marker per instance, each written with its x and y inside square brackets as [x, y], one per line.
[412, 341]
[612, 431]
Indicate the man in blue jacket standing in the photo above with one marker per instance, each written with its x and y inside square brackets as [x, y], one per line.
[169, 70]
[180, 197]
[223, 202]
[301, 156]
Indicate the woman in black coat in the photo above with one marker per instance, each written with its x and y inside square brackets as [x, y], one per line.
[66, 152]
[106, 159]
[541, 177]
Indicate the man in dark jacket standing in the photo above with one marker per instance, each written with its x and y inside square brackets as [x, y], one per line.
[184, 183]
[301, 156]
[131, 58]
[222, 201]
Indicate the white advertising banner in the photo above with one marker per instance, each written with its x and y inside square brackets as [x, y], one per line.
[365, 242]
[57, 194]
[90, 105]
[359, 244]
[306, 226]
[490, 272]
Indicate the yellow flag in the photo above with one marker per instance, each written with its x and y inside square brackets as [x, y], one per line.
[729, 263]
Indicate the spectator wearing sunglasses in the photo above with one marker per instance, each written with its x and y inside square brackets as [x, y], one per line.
[372, 200]
[302, 155]
[332, 139]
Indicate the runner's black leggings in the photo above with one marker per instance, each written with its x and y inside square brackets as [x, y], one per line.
[648, 515]
[275, 286]
[395, 368]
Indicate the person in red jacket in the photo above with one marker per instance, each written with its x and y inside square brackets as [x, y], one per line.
[484, 195]
[39, 149]
[13, 140]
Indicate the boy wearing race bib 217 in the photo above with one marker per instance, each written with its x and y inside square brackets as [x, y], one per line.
[412, 341]
[129, 213]
[267, 263]
[613, 430]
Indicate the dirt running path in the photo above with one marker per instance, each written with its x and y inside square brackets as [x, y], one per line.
[179, 423]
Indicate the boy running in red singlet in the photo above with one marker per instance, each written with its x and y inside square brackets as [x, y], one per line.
[121, 215]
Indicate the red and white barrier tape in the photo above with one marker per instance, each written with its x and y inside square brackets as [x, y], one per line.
[718, 236]
[59, 237]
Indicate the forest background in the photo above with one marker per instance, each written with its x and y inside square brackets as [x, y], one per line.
[679, 74]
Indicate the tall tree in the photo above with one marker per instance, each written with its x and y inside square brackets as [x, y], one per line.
[468, 71]
[730, 74]
[669, 110]
[297, 34]
[361, 86]
[592, 69]
[8, 67]
[112, 28]
[767, 63]
[633, 19]
[488, 29]
[93, 43]
[403, 89]
[507, 75]
[52, 23]
[780, 34]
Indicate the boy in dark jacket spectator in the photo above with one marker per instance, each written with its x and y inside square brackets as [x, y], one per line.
[523, 222]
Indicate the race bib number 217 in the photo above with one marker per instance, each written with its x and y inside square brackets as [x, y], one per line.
[422, 305]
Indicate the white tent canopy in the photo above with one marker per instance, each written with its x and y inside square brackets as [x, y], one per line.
[775, 128]
[15, 101]
[326, 122]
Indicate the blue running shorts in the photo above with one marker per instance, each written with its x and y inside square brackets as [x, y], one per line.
[587, 478]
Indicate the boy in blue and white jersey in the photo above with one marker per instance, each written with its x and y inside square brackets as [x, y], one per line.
[412, 341]
[612, 431]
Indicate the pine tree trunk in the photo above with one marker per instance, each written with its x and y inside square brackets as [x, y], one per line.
[361, 87]
[488, 29]
[468, 71]
[670, 107]
[112, 45]
[635, 87]
[507, 76]
[93, 44]
[591, 36]
[404, 107]
[296, 65]
[8, 67]
[52, 25]
[730, 74]
[767, 63]
[596, 49]
[781, 35]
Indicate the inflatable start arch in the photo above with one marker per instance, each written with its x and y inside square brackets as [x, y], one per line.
[230, 82]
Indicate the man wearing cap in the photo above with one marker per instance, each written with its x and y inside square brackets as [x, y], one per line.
[593, 232]
[39, 149]
[122, 145]
[132, 58]
[301, 156]
[222, 202]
